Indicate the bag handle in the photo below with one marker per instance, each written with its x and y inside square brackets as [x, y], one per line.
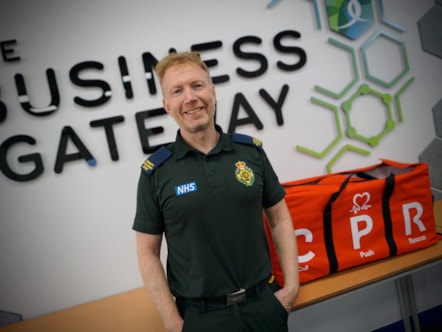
[386, 213]
[327, 219]
[314, 181]
[327, 224]
[319, 179]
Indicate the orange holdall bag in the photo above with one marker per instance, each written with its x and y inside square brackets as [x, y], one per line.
[354, 217]
[410, 207]
[306, 199]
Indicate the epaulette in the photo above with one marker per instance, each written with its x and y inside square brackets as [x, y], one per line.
[246, 139]
[155, 160]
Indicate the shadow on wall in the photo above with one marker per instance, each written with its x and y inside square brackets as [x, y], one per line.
[430, 27]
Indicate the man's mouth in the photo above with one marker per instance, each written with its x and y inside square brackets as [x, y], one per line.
[193, 111]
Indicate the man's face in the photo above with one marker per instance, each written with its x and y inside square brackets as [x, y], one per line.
[189, 97]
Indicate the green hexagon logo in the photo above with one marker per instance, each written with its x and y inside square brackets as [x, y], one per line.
[350, 18]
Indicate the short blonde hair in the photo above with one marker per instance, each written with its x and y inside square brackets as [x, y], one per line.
[178, 59]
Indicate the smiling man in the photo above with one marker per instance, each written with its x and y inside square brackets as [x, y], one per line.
[206, 192]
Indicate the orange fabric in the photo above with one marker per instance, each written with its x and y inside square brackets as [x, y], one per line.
[351, 218]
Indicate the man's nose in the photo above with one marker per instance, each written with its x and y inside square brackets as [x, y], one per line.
[189, 96]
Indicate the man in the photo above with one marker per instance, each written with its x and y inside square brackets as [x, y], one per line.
[206, 193]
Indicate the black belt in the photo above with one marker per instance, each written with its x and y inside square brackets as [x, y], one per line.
[237, 297]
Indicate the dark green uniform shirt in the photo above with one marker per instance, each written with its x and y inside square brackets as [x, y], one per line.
[210, 209]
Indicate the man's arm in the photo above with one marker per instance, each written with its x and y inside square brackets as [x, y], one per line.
[152, 271]
[281, 227]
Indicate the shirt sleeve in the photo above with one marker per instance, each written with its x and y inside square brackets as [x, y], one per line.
[148, 216]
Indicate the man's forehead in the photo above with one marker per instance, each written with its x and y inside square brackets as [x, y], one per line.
[183, 67]
[184, 72]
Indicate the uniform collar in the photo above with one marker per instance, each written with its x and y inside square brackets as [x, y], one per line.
[181, 148]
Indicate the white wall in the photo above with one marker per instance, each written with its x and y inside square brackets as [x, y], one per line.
[66, 238]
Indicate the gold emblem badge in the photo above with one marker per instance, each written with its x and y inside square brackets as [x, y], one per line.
[244, 174]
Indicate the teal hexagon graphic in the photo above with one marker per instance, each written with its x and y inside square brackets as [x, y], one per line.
[404, 57]
[377, 101]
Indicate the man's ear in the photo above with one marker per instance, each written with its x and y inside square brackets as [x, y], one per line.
[166, 108]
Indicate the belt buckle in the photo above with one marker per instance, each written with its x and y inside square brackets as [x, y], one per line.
[237, 297]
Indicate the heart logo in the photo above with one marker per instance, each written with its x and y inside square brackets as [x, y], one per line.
[360, 202]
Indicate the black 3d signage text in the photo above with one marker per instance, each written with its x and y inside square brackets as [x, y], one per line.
[282, 42]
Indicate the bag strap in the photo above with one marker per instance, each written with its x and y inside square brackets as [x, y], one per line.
[388, 223]
[327, 219]
[365, 176]
[327, 224]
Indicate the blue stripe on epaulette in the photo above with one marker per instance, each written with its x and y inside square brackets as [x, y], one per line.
[155, 160]
[246, 139]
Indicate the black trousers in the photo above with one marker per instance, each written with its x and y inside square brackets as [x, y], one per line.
[260, 313]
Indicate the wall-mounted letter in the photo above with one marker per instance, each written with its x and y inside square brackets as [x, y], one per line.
[250, 56]
[109, 130]
[3, 111]
[6, 52]
[125, 77]
[144, 132]
[83, 153]
[150, 62]
[211, 63]
[290, 49]
[276, 105]
[34, 158]
[23, 97]
[74, 75]
[239, 101]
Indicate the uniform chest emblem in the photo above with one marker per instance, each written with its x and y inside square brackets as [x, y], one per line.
[244, 174]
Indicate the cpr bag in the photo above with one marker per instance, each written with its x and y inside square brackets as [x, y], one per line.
[350, 218]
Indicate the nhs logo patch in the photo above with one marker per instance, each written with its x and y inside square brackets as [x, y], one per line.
[185, 188]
